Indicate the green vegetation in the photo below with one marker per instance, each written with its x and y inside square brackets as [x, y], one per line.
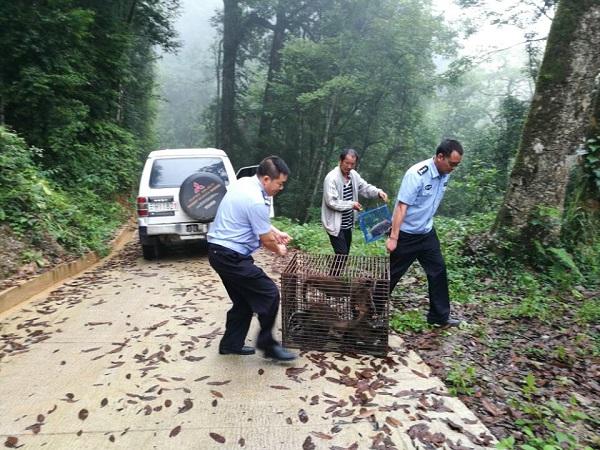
[553, 312]
[47, 215]
[461, 380]
[311, 237]
[76, 112]
[411, 320]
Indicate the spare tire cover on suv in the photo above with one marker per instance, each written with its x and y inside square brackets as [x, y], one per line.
[200, 195]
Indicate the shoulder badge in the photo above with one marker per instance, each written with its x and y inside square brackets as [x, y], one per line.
[423, 170]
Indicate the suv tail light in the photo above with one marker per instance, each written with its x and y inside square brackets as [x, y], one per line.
[142, 207]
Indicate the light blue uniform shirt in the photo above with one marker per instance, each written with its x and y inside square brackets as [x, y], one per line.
[422, 189]
[242, 217]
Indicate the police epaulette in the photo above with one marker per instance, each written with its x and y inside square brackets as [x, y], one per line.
[423, 170]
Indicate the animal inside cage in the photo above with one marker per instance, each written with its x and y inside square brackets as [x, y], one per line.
[336, 303]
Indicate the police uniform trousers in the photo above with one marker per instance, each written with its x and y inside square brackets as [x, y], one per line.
[426, 249]
[251, 291]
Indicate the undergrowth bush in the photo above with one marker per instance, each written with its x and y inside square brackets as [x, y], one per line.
[37, 208]
[469, 273]
[312, 238]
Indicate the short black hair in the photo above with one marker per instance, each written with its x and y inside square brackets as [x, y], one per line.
[272, 166]
[348, 151]
[447, 146]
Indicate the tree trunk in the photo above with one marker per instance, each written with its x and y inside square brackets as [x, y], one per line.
[232, 17]
[218, 68]
[2, 118]
[559, 118]
[266, 119]
[328, 145]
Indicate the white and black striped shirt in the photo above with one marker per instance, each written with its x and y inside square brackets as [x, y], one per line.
[347, 216]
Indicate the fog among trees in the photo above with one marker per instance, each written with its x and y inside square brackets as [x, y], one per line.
[187, 81]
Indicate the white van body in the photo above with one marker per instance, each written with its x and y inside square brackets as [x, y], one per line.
[161, 219]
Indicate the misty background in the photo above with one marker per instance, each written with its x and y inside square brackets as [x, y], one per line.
[187, 79]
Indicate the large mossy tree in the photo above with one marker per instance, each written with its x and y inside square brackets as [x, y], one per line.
[562, 116]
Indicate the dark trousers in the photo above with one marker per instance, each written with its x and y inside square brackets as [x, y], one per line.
[341, 247]
[426, 249]
[251, 291]
[341, 243]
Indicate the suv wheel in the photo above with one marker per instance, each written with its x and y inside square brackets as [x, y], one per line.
[151, 251]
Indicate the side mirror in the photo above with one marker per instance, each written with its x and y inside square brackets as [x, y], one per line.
[248, 171]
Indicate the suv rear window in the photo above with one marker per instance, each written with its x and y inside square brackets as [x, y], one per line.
[171, 172]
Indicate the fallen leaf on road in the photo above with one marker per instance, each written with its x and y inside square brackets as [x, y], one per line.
[366, 413]
[218, 383]
[187, 405]
[11, 442]
[453, 426]
[35, 428]
[83, 414]
[419, 374]
[303, 416]
[308, 444]
[279, 387]
[294, 371]
[175, 431]
[321, 435]
[217, 394]
[393, 422]
[217, 437]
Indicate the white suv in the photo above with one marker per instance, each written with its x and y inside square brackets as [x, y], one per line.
[180, 191]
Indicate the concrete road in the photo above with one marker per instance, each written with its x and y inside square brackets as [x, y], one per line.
[125, 356]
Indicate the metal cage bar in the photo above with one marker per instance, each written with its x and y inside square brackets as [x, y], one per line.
[336, 303]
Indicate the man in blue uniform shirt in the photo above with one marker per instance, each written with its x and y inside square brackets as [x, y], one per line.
[241, 226]
[413, 236]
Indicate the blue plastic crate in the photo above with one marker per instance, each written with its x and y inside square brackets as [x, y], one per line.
[375, 223]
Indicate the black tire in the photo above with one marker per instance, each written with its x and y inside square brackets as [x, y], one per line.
[151, 251]
[200, 196]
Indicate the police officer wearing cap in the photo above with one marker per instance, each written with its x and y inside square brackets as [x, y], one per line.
[413, 236]
[241, 226]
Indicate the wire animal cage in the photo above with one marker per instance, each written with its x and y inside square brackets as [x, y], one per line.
[336, 303]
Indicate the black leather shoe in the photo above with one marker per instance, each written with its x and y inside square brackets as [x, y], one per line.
[242, 351]
[279, 353]
[448, 323]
